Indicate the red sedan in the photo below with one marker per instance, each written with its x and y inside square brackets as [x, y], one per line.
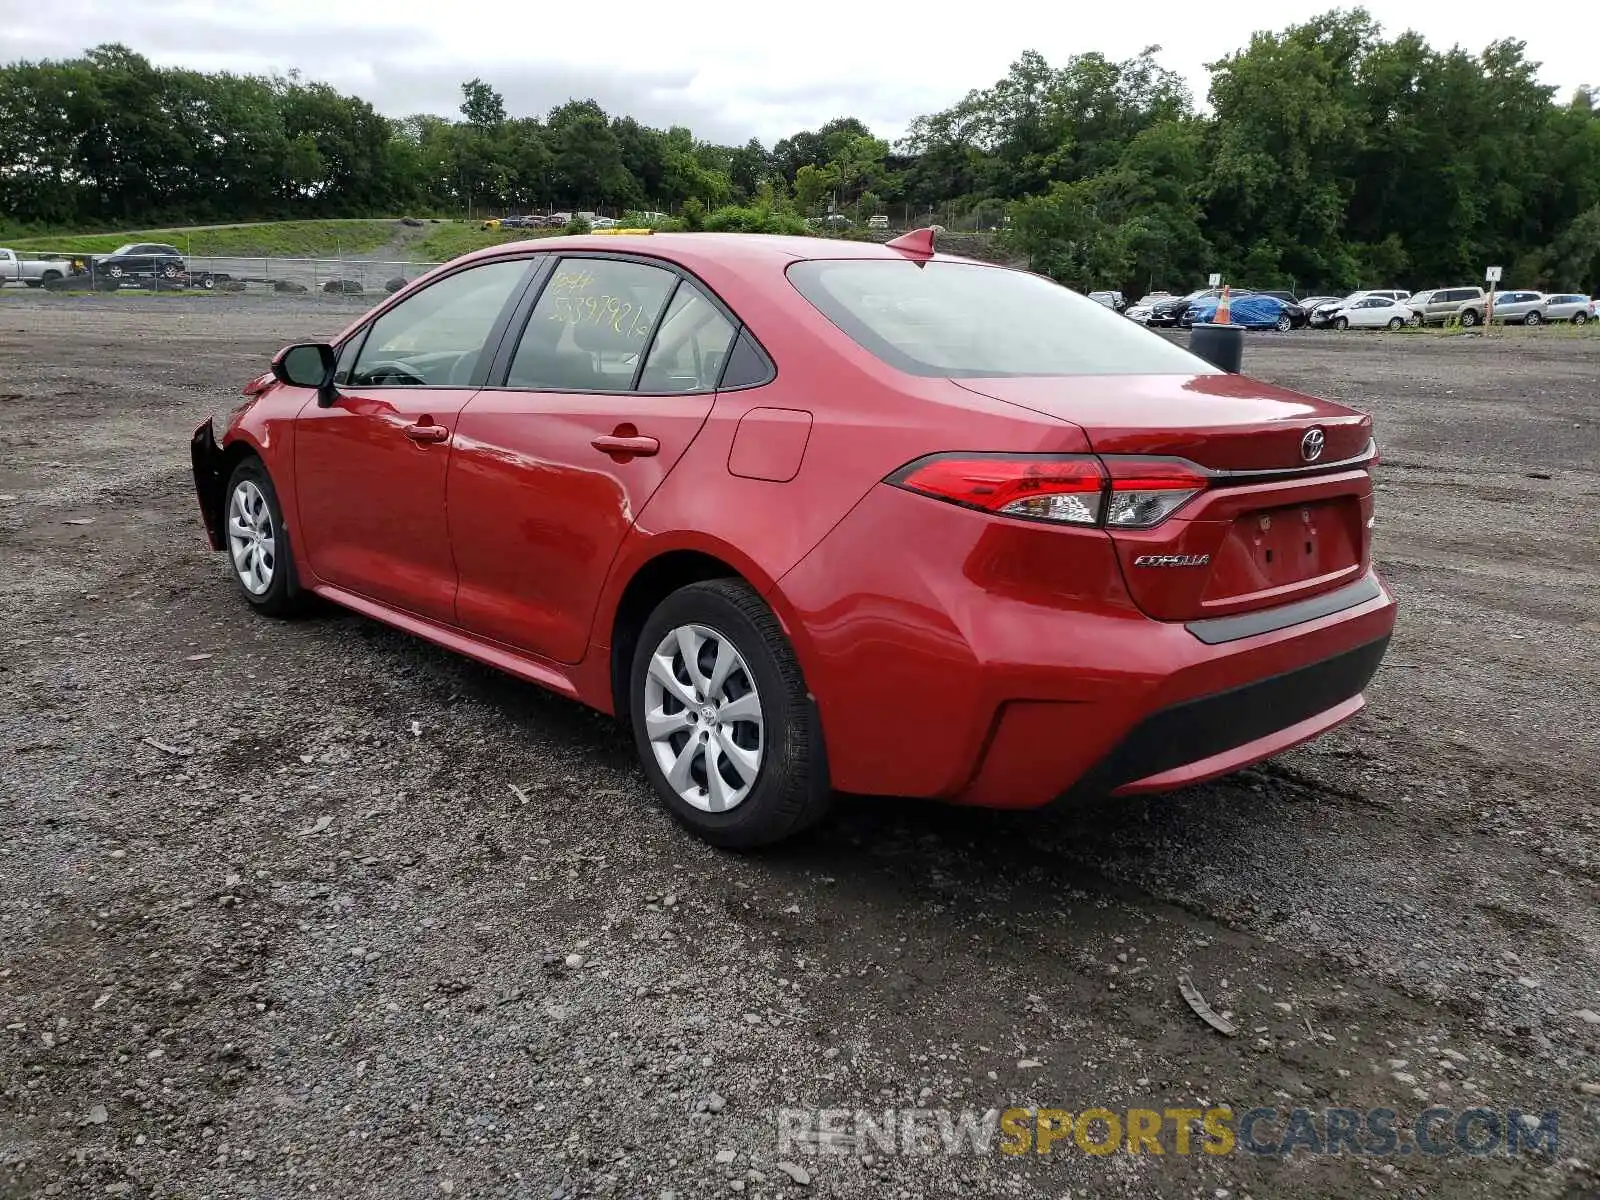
[813, 515]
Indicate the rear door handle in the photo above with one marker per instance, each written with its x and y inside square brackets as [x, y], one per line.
[428, 433]
[638, 445]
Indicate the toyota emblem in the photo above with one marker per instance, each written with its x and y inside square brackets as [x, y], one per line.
[1311, 445]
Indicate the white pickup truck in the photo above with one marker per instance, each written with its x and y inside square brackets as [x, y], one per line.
[31, 271]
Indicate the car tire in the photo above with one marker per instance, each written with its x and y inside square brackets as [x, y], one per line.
[731, 631]
[258, 544]
[1397, 323]
[169, 271]
[1416, 321]
[1469, 318]
[1533, 318]
[1285, 322]
[117, 272]
[1341, 323]
[1580, 318]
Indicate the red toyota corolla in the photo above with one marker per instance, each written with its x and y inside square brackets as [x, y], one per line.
[815, 515]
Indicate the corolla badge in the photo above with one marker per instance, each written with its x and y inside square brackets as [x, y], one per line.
[1172, 560]
[1311, 444]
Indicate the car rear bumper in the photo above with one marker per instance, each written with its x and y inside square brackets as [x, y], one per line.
[1003, 665]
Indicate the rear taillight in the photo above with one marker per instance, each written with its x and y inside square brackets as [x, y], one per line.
[1145, 492]
[1073, 489]
[1038, 487]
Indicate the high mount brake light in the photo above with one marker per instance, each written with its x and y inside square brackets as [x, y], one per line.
[1072, 489]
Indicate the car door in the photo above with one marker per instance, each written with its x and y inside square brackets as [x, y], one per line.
[370, 467]
[1374, 311]
[608, 380]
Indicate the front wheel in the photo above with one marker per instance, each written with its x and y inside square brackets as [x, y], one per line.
[1341, 323]
[1532, 318]
[257, 542]
[1285, 323]
[1416, 321]
[722, 720]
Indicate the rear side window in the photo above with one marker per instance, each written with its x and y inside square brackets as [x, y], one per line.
[690, 347]
[590, 326]
[968, 321]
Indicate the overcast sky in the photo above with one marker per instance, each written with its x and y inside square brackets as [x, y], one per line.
[728, 71]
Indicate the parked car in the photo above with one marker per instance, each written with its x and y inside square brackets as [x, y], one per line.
[1441, 304]
[1312, 303]
[1150, 298]
[1568, 306]
[1285, 296]
[1371, 312]
[34, 272]
[761, 520]
[604, 223]
[1510, 308]
[1139, 313]
[878, 221]
[1170, 312]
[1115, 301]
[1324, 314]
[139, 258]
[1253, 310]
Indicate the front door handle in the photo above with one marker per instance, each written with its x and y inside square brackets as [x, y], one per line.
[428, 433]
[636, 445]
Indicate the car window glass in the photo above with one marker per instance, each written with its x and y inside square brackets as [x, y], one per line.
[970, 321]
[435, 336]
[347, 357]
[747, 365]
[690, 346]
[590, 326]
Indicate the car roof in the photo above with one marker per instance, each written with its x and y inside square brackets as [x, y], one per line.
[718, 249]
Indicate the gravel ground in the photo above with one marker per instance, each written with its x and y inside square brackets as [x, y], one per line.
[313, 907]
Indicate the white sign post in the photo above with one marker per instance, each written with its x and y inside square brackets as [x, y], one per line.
[1491, 277]
[1216, 279]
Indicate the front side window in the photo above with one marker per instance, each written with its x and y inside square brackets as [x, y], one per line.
[690, 346]
[434, 338]
[968, 321]
[590, 326]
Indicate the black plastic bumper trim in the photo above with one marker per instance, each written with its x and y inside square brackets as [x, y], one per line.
[1215, 630]
[205, 458]
[1197, 729]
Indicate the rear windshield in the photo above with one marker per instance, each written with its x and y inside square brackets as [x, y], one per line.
[968, 321]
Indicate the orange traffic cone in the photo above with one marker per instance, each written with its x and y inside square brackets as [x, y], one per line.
[1222, 316]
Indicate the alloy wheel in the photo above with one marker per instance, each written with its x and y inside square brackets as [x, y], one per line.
[703, 718]
[250, 537]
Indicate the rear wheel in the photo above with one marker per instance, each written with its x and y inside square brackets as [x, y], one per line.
[1533, 318]
[1580, 318]
[1469, 317]
[1397, 323]
[722, 720]
[256, 541]
[1341, 323]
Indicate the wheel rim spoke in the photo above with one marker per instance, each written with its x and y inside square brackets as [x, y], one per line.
[746, 708]
[661, 672]
[660, 725]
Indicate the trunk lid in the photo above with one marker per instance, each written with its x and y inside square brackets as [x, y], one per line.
[1270, 529]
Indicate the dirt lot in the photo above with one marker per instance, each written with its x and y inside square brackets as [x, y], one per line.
[273, 921]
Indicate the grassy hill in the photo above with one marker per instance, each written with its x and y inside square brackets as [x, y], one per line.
[288, 239]
[453, 238]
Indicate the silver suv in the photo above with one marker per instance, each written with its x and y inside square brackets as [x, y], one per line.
[1443, 303]
[1510, 308]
